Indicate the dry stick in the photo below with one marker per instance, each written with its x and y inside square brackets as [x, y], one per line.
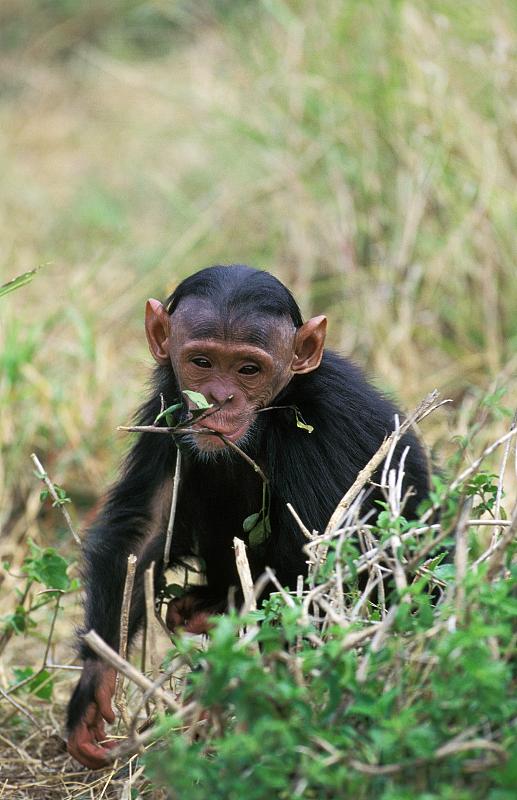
[21, 709]
[151, 626]
[124, 626]
[172, 515]
[442, 752]
[129, 747]
[44, 664]
[312, 637]
[317, 557]
[356, 637]
[332, 614]
[372, 584]
[306, 532]
[377, 642]
[461, 558]
[198, 432]
[503, 523]
[150, 694]
[50, 486]
[109, 655]
[313, 596]
[250, 601]
[499, 550]
[426, 406]
[370, 557]
[274, 580]
[500, 483]
[243, 455]
[149, 429]
[391, 452]
[477, 463]
[338, 575]
[260, 585]
[243, 568]
[21, 753]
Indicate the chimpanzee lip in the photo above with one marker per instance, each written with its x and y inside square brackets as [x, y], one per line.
[231, 433]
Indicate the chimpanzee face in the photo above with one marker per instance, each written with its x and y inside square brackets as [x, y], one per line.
[239, 365]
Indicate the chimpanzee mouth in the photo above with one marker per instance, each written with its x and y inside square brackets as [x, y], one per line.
[216, 432]
[207, 444]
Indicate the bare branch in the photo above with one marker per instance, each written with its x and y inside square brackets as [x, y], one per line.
[52, 489]
[172, 514]
[109, 655]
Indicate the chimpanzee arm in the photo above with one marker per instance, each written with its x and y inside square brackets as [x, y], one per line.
[124, 526]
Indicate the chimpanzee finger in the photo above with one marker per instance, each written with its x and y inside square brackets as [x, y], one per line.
[198, 622]
[177, 612]
[104, 693]
[82, 744]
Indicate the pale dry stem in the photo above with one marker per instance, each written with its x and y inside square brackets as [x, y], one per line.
[124, 627]
[42, 475]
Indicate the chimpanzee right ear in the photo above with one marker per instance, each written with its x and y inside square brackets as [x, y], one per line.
[157, 330]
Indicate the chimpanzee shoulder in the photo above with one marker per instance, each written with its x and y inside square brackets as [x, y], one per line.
[350, 418]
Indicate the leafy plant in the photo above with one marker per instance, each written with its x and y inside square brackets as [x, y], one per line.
[400, 689]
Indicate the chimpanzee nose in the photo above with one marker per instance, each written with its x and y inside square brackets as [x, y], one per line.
[219, 392]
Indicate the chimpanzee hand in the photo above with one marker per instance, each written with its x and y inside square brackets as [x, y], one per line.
[192, 611]
[87, 732]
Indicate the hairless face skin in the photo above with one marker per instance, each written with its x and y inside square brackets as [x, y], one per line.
[241, 369]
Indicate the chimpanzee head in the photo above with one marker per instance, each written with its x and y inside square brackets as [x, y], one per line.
[236, 335]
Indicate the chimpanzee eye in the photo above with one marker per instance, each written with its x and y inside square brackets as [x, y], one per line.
[204, 363]
[249, 369]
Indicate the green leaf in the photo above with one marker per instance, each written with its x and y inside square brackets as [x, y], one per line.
[258, 535]
[300, 422]
[167, 413]
[18, 622]
[175, 590]
[198, 398]
[250, 522]
[16, 283]
[35, 686]
[47, 567]
[260, 532]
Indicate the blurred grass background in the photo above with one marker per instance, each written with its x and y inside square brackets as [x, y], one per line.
[365, 152]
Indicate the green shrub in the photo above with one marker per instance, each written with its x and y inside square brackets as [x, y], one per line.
[424, 707]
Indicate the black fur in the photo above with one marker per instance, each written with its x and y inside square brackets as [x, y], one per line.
[311, 471]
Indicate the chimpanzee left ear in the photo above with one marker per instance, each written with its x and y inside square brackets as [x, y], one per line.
[157, 329]
[308, 345]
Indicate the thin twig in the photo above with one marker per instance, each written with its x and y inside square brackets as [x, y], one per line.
[124, 625]
[473, 468]
[21, 709]
[44, 666]
[243, 568]
[502, 469]
[245, 456]
[109, 655]
[304, 529]
[425, 407]
[151, 626]
[461, 558]
[499, 549]
[198, 432]
[42, 475]
[172, 514]
[377, 643]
